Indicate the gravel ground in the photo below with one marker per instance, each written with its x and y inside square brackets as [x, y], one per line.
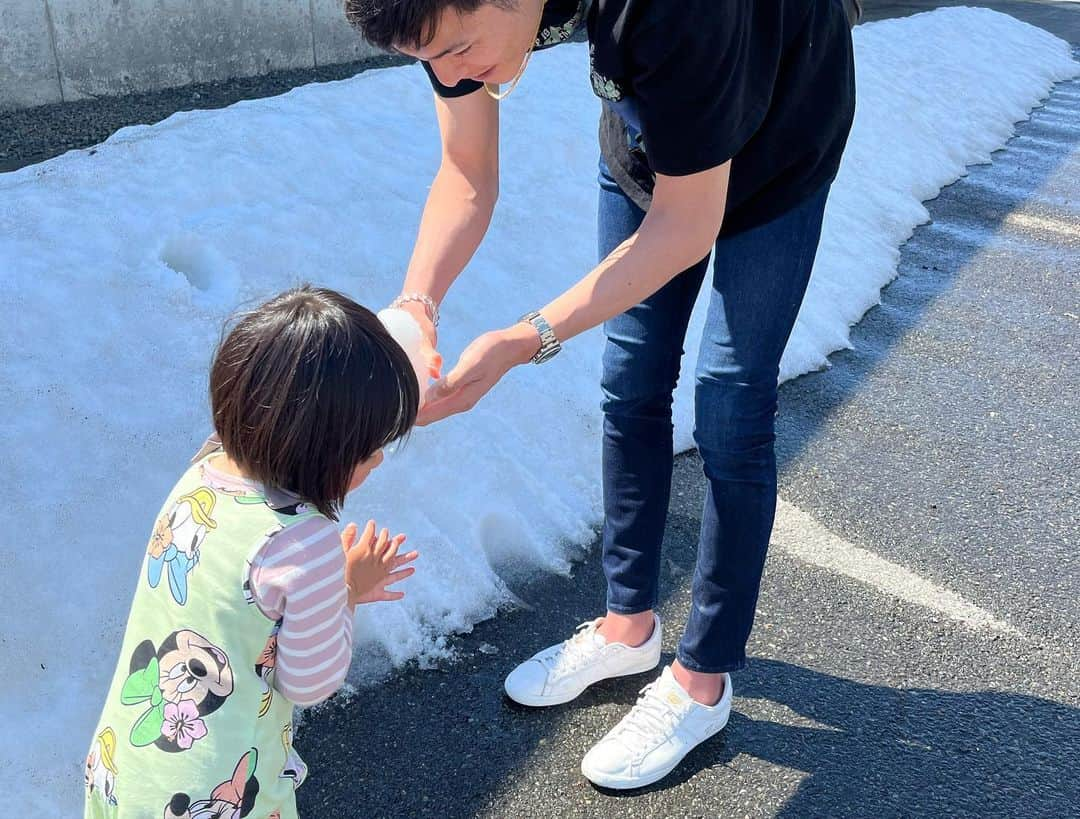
[33, 135]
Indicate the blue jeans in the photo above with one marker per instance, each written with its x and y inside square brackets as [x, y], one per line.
[759, 278]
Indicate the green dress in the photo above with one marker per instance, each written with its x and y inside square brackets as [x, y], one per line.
[193, 726]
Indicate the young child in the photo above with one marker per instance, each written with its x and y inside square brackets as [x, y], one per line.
[244, 604]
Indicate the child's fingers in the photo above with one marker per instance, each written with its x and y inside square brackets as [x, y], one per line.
[401, 560]
[389, 595]
[394, 545]
[383, 542]
[398, 576]
[348, 537]
[368, 535]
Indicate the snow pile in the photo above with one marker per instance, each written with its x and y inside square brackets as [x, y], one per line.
[120, 265]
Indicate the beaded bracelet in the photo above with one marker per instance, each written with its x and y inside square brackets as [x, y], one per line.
[430, 307]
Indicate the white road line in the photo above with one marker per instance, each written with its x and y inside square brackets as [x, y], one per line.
[1034, 223]
[800, 536]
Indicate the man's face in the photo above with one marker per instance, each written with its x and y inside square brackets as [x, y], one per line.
[488, 44]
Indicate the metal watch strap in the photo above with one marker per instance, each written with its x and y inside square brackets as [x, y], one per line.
[549, 344]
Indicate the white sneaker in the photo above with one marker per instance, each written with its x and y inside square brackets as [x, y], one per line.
[561, 672]
[662, 728]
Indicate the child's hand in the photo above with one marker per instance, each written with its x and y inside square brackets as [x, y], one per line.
[373, 563]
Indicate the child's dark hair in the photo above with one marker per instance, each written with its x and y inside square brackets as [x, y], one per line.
[305, 388]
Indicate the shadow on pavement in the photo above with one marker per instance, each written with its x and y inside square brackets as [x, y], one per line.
[930, 753]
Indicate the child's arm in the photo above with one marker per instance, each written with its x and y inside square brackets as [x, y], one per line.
[298, 576]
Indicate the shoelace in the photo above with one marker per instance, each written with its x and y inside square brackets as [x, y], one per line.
[650, 716]
[569, 654]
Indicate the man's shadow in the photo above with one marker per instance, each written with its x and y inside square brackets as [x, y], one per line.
[871, 750]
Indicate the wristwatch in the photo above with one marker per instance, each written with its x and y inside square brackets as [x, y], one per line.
[549, 344]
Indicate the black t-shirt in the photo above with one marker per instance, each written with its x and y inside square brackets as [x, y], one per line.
[688, 85]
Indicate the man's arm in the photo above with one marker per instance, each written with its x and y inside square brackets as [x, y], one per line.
[679, 230]
[461, 200]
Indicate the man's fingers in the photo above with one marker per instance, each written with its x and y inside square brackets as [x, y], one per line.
[433, 397]
[431, 413]
[446, 397]
[453, 382]
[454, 403]
[428, 415]
[439, 390]
[433, 358]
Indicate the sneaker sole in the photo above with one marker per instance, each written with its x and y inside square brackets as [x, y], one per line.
[621, 784]
[544, 701]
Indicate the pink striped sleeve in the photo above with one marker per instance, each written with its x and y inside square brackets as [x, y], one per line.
[299, 576]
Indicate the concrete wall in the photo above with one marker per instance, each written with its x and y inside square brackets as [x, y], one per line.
[63, 50]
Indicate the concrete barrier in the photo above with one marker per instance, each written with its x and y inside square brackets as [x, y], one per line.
[63, 50]
[28, 70]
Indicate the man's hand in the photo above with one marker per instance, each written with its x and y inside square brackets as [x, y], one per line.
[431, 337]
[480, 367]
[373, 563]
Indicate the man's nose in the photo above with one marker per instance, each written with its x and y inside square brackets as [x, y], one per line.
[449, 70]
